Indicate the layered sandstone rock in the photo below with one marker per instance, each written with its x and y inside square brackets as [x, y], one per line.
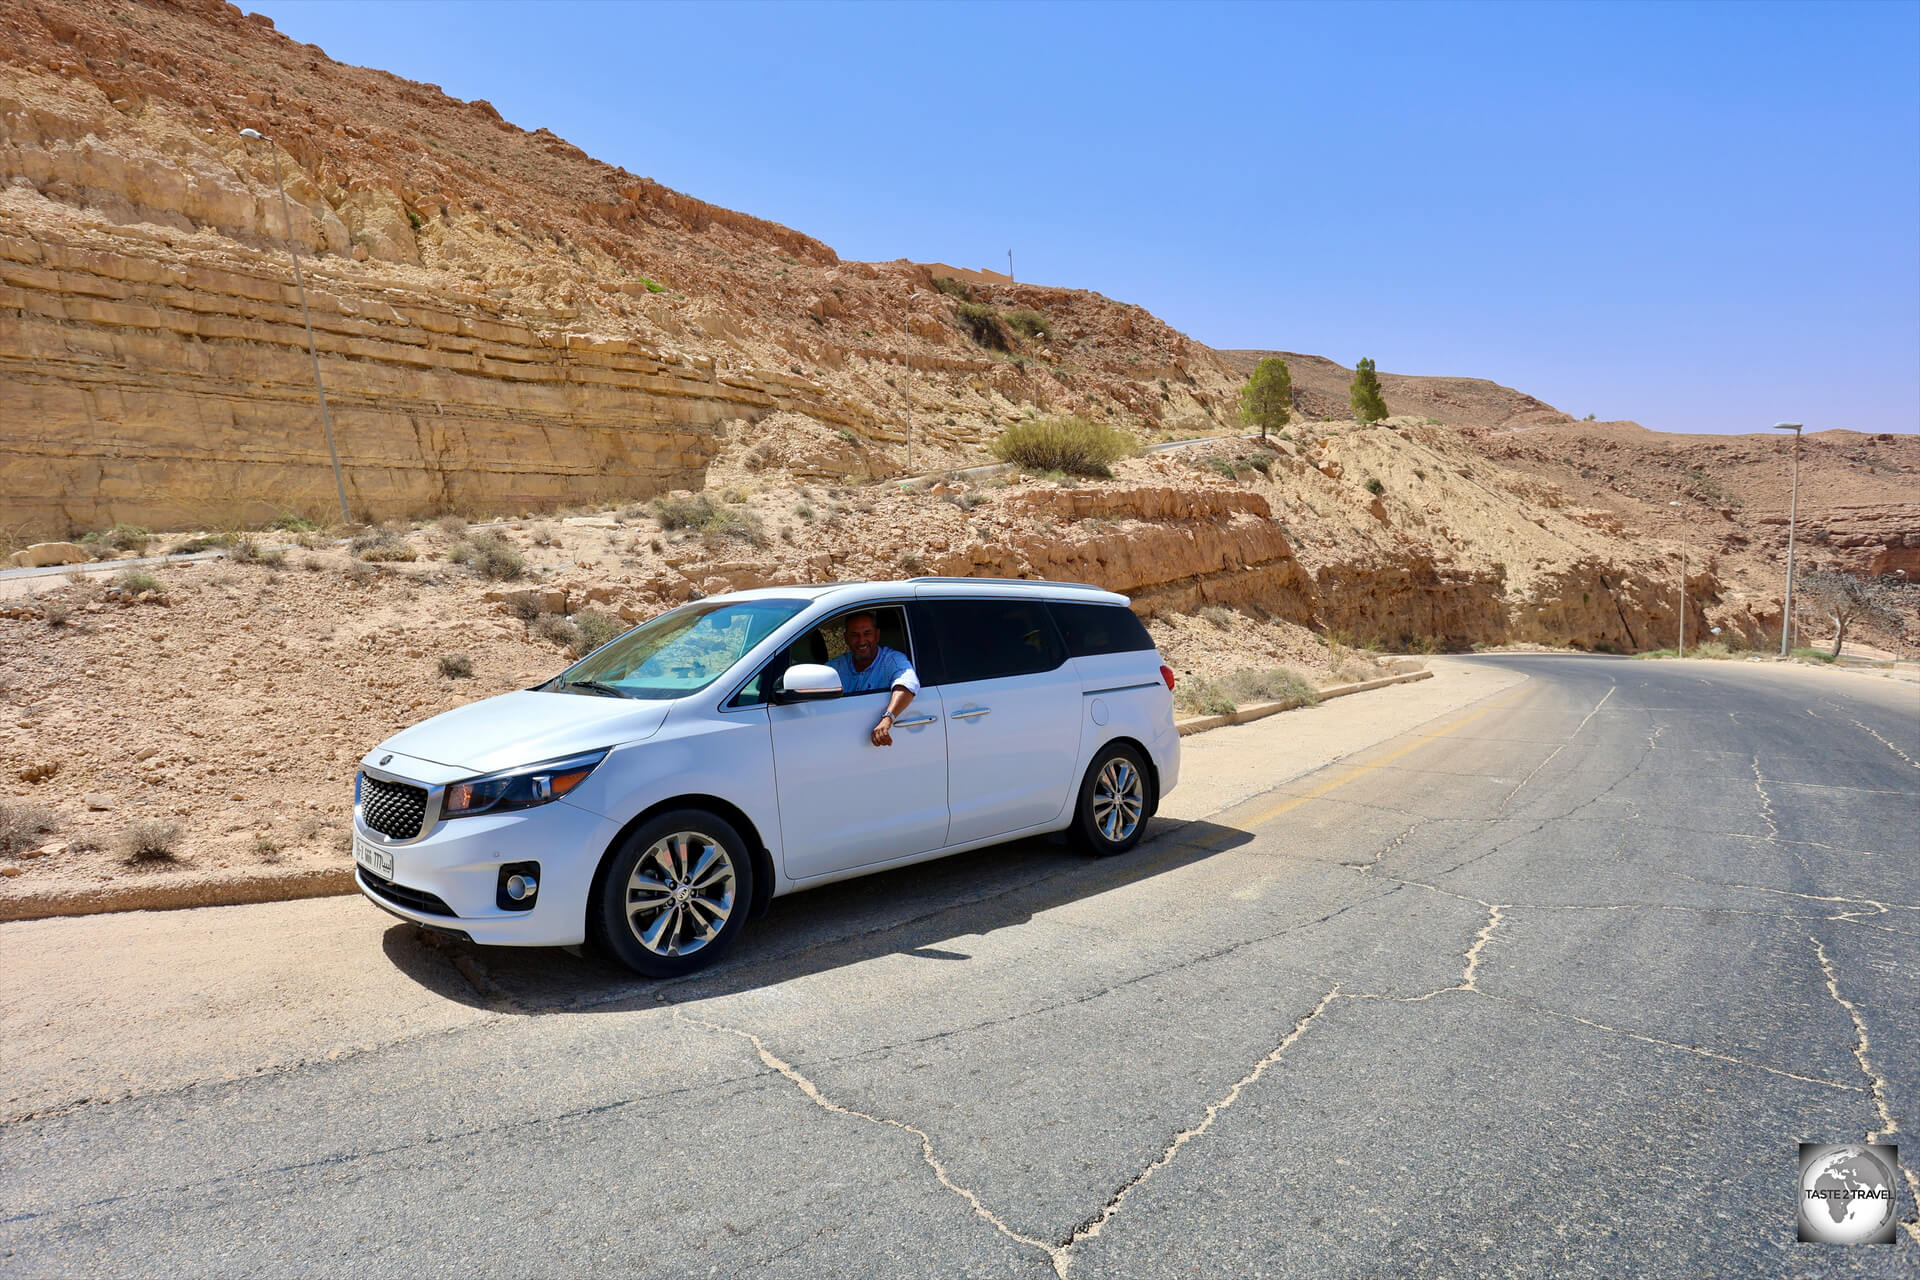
[145, 383]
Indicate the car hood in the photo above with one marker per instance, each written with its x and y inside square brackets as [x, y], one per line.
[526, 727]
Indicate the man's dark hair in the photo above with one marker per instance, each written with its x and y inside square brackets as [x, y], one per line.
[864, 613]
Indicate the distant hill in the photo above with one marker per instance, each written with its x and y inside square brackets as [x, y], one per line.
[1320, 391]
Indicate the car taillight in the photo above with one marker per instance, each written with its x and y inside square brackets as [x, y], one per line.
[1166, 673]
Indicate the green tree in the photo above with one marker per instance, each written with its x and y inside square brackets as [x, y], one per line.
[1266, 402]
[1365, 394]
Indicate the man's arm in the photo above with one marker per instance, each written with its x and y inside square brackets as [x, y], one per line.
[896, 703]
[906, 684]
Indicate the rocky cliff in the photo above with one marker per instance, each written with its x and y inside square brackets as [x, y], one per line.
[503, 323]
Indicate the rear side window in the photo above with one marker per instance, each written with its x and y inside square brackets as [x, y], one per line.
[989, 639]
[1091, 629]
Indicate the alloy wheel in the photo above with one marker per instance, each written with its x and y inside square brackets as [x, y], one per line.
[1119, 798]
[680, 894]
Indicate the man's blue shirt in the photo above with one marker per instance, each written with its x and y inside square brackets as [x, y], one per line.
[889, 667]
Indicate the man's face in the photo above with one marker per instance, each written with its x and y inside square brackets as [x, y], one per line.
[863, 639]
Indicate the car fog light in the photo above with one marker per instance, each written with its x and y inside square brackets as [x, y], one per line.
[519, 883]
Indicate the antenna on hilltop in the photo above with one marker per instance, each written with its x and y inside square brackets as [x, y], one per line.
[1009, 264]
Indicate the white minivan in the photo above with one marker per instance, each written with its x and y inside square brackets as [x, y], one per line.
[660, 792]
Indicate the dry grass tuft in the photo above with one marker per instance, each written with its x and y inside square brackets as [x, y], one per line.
[149, 840]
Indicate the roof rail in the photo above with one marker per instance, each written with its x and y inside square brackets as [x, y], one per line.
[1017, 582]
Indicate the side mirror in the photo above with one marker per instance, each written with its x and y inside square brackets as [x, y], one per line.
[807, 682]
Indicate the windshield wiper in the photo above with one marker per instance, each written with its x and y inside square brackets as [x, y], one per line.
[604, 690]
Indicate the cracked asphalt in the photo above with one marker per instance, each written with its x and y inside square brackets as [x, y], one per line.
[1551, 981]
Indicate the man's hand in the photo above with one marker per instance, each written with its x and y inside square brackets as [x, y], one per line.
[883, 732]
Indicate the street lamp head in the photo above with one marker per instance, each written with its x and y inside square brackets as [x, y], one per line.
[255, 134]
[1786, 426]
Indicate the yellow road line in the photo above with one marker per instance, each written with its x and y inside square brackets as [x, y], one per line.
[1359, 771]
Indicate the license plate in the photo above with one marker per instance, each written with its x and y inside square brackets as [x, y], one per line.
[373, 858]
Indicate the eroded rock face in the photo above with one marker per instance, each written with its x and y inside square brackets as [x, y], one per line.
[143, 384]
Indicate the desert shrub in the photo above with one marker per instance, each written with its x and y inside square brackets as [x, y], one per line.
[204, 542]
[493, 557]
[1813, 655]
[23, 825]
[1711, 649]
[1073, 445]
[265, 847]
[1219, 616]
[803, 511]
[1375, 487]
[983, 324]
[452, 526]
[313, 564]
[1199, 696]
[524, 605]
[58, 612]
[966, 501]
[541, 536]
[149, 840]
[730, 523]
[249, 551]
[359, 573]
[456, 666]
[594, 629]
[135, 581]
[684, 513]
[382, 545]
[103, 543]
[460, 552]
[911, 564]
[556, 629]
[953, 288]
[1277, 684]
[1261, 463]
[1028, 324]
[295, 524]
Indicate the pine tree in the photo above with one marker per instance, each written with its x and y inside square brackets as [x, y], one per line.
[1368, 406]
[1266, 402]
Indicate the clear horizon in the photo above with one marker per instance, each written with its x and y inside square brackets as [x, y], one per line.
[1704, 218]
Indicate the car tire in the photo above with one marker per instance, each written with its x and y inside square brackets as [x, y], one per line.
[674, 895]
[1116, 799]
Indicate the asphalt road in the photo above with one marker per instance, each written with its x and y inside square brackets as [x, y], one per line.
[1553, 984]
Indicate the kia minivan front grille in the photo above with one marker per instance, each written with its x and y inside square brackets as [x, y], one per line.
[394, 809]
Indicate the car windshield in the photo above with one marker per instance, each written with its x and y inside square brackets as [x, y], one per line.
[678, 653]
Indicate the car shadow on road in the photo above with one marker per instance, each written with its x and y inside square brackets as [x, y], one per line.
[910, 911]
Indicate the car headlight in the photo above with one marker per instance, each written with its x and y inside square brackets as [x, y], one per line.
[524, 788]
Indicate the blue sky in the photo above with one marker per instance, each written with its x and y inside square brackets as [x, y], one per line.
[1703, 217]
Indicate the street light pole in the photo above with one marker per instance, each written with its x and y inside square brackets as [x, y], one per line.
[1793, 509]
[909, 349]
[1683, 583]
[313, 353]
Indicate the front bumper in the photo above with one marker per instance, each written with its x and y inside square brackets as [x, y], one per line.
[456, 866]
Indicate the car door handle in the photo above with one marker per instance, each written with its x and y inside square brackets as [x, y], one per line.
[909, 724]
[968, 715]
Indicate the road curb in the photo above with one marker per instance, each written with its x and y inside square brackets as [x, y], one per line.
[1261, 710]
[325, 882]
